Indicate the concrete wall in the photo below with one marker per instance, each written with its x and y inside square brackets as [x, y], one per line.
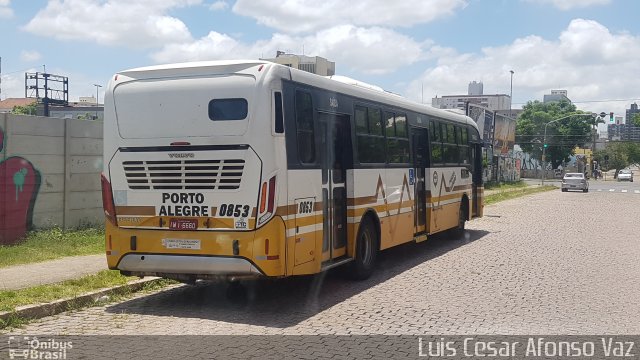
[52, 167]
[537, 174]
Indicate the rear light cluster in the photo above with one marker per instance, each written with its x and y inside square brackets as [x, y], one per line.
[267, 200]
[107, 200]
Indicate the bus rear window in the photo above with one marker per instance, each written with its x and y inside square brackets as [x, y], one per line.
[228, 109]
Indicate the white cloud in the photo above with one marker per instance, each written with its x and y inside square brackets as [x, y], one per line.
[218, 5]
[571, 4]
[5, 9]
[30, 55]
[214, 46]
[310, 15]
[13, 85]
[586, 59]
[137, 24]
[367, 50]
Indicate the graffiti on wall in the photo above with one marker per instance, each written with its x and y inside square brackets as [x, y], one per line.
[508, 169]
[527, 162]
[19, 185]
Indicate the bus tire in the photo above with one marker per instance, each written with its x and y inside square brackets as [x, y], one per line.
[366, 251]
[462, 220]
[236, 293]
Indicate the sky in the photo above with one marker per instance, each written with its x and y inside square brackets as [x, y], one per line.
[415, 48]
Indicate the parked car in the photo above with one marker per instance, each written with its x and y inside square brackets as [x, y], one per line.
[625, 175]
[574, 181]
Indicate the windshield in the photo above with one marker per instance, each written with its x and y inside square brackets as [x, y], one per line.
[574, 176]
[625, 171]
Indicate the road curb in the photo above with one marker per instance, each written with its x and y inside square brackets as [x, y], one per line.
[38, 311]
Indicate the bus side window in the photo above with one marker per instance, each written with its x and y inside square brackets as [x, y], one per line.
[369, 135]
[436, 144]
[278, 116]
[465, 149]
[304, 127]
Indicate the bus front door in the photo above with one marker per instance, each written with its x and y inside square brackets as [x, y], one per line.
[476, 162]
[420, 141]
[335, 145]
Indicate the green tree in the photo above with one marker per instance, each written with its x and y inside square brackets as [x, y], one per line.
[636, 119]
[85, 116]
[620, 155]
[632, 150]
[562, 136]
[30, 109]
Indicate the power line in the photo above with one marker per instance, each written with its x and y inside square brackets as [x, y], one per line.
[548, 135]
[589, 101]
[14, 72]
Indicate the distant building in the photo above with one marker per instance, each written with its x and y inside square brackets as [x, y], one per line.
[475, 96]
[556, 95]
[77, 110]
[630, 113]
[8, 104]
[476, 88]
[82, 109]
[623, 132]
[87, 100]
[313, 64]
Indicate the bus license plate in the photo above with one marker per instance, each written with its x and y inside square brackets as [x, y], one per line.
[184, 244]
[183, 224]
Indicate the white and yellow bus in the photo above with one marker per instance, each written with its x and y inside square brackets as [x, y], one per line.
[253, 169]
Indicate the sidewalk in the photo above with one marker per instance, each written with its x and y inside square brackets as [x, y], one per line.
[48, 272]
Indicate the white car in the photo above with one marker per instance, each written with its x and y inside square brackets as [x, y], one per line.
[625, 175]
[574, 181]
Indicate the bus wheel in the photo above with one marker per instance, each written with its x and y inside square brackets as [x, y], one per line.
[236, 292]
[462, 220]
[366, 251]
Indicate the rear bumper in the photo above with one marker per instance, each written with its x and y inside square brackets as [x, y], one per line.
[159, 264]
[147, 252]
[574, 186]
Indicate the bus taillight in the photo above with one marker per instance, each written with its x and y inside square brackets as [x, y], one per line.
[263, 197]
[272, 194]
[107, 200]
[267, 200]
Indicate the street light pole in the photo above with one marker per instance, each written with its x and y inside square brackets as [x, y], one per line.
[544, 140]
[97, 102]
[511, 93]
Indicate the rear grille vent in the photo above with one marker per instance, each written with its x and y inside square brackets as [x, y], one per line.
[184, 174]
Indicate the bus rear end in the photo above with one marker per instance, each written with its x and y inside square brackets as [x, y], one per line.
[186, 194]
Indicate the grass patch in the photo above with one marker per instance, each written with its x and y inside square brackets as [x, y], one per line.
[512, 194]
[10, 299]
[52, 244]
[504, 186]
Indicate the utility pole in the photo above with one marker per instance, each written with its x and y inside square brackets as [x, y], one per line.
[511, 93]
[97, 102]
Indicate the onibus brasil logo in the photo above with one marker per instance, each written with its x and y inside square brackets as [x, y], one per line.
[27, 347]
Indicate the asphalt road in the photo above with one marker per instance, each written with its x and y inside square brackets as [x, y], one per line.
[550, 263]
[598, 185]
